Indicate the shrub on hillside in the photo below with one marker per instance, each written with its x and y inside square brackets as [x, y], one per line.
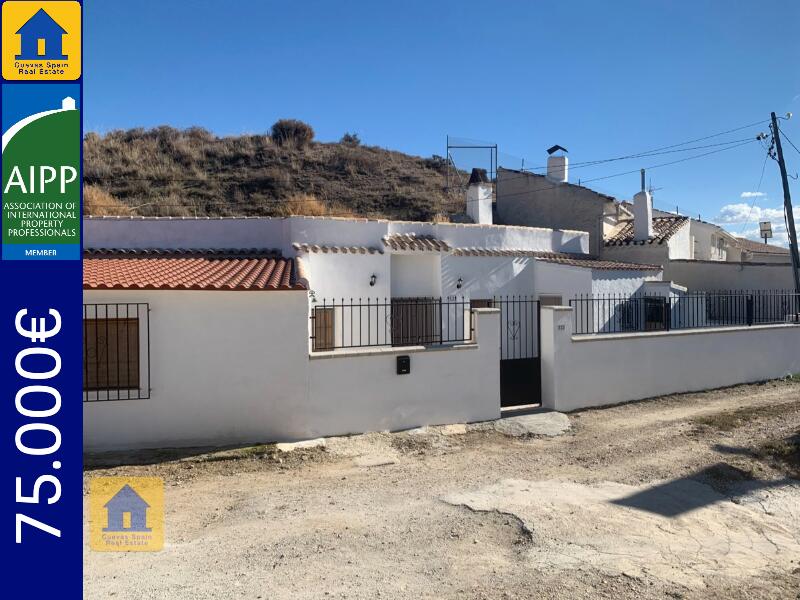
[302, 204]
[350, 139]
[291, 132]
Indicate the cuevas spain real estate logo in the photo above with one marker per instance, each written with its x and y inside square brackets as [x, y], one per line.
[41, 41]
[126, 514]
[41, 172]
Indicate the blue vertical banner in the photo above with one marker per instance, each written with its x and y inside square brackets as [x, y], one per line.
[41, 303]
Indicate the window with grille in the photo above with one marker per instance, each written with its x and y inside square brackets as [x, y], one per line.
[112, 354]
[116, 352]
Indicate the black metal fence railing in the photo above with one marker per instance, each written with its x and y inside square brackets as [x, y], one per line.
[611, 313]
[116, 352]
[362, 323]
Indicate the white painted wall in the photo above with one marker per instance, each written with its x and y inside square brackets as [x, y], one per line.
[234, 367]
[648, 254]
[140, 232]
[337, 276]
[416, 274]
[124, 232]
[351, 393]
[621, 282]
[680, 244]
[488, 276]
[782, 259]
[719, 275]
[584, 371]
[701, 232]
[566, 281]
[226, 367]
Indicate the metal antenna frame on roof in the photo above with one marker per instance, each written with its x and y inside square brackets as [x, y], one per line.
[492, 148]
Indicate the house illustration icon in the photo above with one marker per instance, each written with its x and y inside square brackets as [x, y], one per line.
[41, 38]
[126, 501]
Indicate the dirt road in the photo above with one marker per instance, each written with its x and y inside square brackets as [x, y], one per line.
[691, 496]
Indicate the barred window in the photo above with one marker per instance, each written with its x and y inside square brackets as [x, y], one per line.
[115, 352]
[112, 354]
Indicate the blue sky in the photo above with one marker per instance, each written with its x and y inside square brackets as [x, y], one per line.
[603, 79]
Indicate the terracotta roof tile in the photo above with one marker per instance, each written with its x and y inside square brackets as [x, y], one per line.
[336, 249]
[167, 269]
[760, 248]
[564, 258]
[663, 228]
[412, 241]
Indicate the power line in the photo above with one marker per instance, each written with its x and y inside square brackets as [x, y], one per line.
[572, 166]
[758, 190]
[656, 150]
[553, 186]
[786, 137]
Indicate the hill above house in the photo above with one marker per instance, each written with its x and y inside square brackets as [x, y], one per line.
[171, 172]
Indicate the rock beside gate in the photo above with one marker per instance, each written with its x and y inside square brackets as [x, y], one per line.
[548, 424]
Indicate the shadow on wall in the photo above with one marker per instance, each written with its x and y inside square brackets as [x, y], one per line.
[573, 244]
[506, 278]
[699, 490]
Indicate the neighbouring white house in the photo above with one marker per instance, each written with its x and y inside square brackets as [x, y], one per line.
[698, 255]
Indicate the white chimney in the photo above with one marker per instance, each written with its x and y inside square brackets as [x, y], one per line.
[479, 197]
[557, 165]
[642, 216]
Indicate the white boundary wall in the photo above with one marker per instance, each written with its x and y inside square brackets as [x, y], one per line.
[234, 367]
[361, 390]
[597, 370]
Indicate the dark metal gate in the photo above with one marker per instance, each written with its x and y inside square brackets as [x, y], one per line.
[520, 365]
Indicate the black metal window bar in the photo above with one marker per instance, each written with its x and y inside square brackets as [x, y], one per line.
[362, 323]
[116, 352]
[616, 313]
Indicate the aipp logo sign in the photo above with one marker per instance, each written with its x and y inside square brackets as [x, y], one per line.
[41, 41]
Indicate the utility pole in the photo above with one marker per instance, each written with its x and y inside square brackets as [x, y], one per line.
[787, 204]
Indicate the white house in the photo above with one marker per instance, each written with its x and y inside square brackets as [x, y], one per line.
[230, 330]
[223, 331]
[361, 258]
[699, 255]
[696, 254]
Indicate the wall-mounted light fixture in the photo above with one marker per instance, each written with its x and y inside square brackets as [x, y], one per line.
[312, 294]
[372, 279]
[459, 283]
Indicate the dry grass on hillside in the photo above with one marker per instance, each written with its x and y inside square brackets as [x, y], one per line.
[166, 171]
[97, 201]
